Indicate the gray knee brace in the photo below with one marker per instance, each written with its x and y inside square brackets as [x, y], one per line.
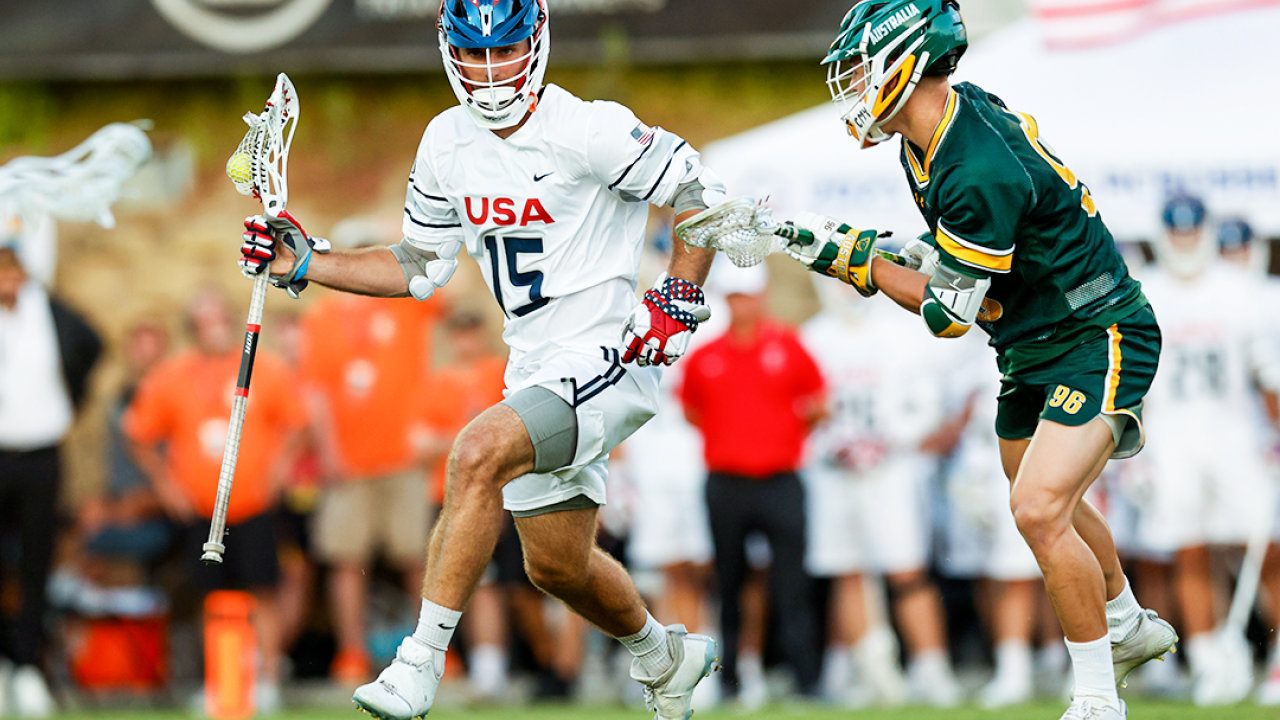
[552, 426]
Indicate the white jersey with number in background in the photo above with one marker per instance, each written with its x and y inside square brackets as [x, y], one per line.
[1203, 476]
[555, 214]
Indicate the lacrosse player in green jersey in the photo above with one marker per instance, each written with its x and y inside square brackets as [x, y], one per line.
[1016, 246]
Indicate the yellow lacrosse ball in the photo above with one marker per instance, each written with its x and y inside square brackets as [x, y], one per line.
[240, 168]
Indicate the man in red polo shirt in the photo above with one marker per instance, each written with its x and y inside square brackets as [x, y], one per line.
[755, 393]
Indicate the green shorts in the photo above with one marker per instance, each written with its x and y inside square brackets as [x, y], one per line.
[1107, 374]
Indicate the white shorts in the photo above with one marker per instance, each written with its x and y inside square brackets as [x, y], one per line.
[1208, 488]
[664, 462]
[611, 401]
[980, 537]
[872, 522]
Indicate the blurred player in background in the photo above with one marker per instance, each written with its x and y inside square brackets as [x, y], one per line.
[1219, 354]
[550, 195]
[981, 540]
[755, 393]
[1017, 246]
[359, 356]
[178, 425]
[869, 470]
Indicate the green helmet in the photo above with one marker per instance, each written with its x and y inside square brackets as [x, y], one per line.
[883, 49]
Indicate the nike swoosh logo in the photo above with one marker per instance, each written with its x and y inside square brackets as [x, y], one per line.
[538, 178]
[442, 626]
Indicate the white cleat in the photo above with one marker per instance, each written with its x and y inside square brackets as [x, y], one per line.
[406, 689]
[670, 695]
[1268, 693]
[1005, 689]
[31, 698]
[1151, 640]
[1229, 678]
[1094, 709]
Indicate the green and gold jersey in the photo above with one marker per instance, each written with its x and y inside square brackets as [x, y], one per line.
[1000, 204]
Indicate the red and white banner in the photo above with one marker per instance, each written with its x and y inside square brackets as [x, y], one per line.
[1070, 24]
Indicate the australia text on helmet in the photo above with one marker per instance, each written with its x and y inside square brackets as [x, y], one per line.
[893, 22]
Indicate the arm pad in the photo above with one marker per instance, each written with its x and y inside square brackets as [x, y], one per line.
[952, 301]
[426, 270]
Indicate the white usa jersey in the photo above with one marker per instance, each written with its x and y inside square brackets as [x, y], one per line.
[1215, 345]
[554, 215]
[890, 384]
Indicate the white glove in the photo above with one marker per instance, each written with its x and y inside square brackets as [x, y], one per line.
[922, 254]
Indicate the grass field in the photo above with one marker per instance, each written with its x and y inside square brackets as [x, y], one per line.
[1138, 710]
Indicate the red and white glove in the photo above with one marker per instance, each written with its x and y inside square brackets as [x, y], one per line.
[258, 250]
[660, 327]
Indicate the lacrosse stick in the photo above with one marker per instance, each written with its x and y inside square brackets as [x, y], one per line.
[1251, 569]
[82, 183]
[258, 167]
[747, 233]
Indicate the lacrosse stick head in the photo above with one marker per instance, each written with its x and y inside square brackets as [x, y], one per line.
[82, 183]
[741, 229]
[260, 164]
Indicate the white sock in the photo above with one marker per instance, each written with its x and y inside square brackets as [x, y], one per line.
[1013, 659]
[436, 625]
[1202, 649]
[488, 669]
[1123, 614]
[837, 670]
[650, 648]
[1095, 677]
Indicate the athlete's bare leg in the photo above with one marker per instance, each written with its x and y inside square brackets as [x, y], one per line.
[1193, 583]
[1087, 520]
[561, 557]
[918, 609]
[1055, 469]
[491, 451]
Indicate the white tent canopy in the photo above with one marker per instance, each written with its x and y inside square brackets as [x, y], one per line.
[1189, 106]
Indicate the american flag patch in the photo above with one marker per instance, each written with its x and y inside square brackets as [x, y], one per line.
[642, 134]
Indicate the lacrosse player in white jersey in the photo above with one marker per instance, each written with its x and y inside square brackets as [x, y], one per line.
[868, 474]
[550, 195]
[1209, 481]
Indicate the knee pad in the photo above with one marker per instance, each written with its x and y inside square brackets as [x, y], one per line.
[551, 423]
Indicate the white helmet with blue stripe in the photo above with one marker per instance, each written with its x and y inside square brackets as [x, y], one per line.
[469, 24]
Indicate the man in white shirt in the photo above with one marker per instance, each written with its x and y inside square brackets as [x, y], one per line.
[46, 353]
[549, 194]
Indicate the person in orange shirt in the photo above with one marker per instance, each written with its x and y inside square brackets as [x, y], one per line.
[360, 356]
[177, 426]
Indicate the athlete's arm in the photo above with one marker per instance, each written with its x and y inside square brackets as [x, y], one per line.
[903, 285]
[367, 271]
[692, 264]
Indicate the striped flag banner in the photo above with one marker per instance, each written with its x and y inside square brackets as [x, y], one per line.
[1073, 24]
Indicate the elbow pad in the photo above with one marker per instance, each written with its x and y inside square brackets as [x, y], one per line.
[426, 271]
[698, 190]
[952, 301]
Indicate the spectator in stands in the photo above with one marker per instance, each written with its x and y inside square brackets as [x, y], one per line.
[125, 521]
[359, 357]
[47, 351]
[177, 423]
[755, 393]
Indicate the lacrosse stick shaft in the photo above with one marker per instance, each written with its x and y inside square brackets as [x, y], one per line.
[1251, 568]
[214, 547]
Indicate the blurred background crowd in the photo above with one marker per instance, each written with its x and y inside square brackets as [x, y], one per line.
[821, 490]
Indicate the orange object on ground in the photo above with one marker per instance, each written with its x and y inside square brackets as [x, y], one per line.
[351, 666]
[118, 653]
[230, 655]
